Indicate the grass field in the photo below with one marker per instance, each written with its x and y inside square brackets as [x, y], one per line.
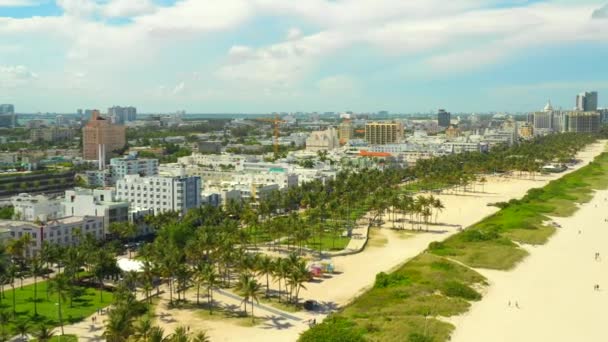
[405, 305]
[86, 301]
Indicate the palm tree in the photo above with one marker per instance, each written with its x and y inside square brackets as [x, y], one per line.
[12, 274]
[210, 277]
[36, 265]
[265, 267]
[201, 336]
[438, 206]
[21, 328]
[119, 326]
[157, 334]
[142, 329]
[43, 334]
[299, 275]
[249, 289]
[180, 335]
[61, 286]
[4, 319]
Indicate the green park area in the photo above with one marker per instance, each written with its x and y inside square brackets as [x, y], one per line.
[406, 305]
[77, 303]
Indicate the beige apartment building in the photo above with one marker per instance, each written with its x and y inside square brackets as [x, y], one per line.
[381, 133]
[101, 135]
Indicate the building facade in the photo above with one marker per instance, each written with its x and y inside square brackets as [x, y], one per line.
[121, 115]
[52, 134]
[160, 193]
[443, 118]
[323, 140]
[99, 203]
[67, 231]
[346, 131]
[35, 208]
[101, 136]
[8, 118]
[586, 102]
[381, 133]
[583, 122]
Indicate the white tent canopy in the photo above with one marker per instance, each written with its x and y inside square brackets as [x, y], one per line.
[128, 265]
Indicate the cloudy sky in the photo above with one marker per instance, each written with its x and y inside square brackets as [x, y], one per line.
[210, 56]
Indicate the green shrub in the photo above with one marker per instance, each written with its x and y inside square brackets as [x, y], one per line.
[334, 329]
[457, 289]
[416, 337]
[384, 280]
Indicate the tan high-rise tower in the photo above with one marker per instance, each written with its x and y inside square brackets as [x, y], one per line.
[381, 133]
[101, 132]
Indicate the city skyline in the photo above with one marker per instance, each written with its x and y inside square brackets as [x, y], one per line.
[270, 55]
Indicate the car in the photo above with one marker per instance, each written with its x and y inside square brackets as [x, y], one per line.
[310, 305]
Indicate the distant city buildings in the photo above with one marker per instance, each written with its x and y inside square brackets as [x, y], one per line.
[443, 118]
[52, 134]
[121, 115]
[100, 136]
[8, 118]
[586, 102]
[381, 133]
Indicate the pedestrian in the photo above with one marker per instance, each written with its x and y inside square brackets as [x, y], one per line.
[517, 305]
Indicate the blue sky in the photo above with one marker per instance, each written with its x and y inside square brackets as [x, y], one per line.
[316, 55]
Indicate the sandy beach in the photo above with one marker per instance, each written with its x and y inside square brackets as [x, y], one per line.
[553, 287]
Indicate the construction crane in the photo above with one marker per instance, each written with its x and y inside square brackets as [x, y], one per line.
[276, 122]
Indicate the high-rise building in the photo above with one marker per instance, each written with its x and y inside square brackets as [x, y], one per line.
[583, 122]
[587, 101]
[120, 115]
[160, 193]
[346, 131]
[101, 136]
[443, 118]
[8, 119]
[381, 133]
[543, 121]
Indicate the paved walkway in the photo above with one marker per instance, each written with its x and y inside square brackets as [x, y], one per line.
[260, 306]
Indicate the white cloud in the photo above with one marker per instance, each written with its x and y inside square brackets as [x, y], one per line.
[12, 76]
[600, 13]
[294, 33]
[19, 3]
[339, 84]
[78, 8]
[128, 8]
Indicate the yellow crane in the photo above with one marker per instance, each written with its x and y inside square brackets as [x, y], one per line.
[276, 122]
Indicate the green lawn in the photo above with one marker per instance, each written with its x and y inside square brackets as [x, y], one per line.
[403, 305]
[63, 338]
[85, 302]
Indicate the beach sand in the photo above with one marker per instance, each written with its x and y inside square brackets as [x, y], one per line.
[553, 287]
[387, 250]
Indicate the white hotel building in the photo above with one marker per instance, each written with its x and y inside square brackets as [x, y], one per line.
[160, 194]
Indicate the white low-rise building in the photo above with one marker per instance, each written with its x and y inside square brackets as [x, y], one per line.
[36, 208]
[160, 193]
[57, 231]
[99, 202]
